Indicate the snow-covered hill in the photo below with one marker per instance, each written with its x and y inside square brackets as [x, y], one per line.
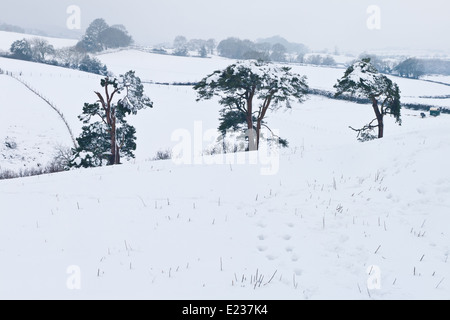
[7, 38]
[31, 132]
[334, 211]
[331, 211]
[163, 68]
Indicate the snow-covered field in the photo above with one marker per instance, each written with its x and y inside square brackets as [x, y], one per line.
[160, 231]
[438, 78]
[7, 38]
[342, 60]
[332, 212]
[162, 68]
[31, 132]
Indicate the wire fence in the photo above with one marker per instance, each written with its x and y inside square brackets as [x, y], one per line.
[45, 99]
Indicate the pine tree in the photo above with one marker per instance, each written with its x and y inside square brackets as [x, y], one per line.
[363, 80]
[244, 84]
[104, 141]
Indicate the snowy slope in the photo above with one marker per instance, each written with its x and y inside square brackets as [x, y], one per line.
[31, 131]
[334, 209]
[7, 38]
[154, 126]
[74, 88]
[438, 78]
[162, 68]
[176, 105]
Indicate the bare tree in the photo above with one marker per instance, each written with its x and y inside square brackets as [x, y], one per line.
[41, 48]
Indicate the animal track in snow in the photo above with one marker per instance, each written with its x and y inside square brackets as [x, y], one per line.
[298, 272]
[271, 257]
[261, 225]
[290, 225]
[262, 248]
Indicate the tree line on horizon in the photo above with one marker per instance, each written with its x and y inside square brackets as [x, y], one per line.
[99, 36]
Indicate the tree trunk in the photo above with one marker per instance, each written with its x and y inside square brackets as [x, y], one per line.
[261, 118]
[258, 133]
[379, 118]
[252, 144]
[380, 127]
[115, 150]
[117, 155]
[113, 158]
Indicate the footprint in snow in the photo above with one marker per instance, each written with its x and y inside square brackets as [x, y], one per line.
[271, 257]
[289, 249]
[262, 248]
[261, 225]
[262, 237]
[298, 272]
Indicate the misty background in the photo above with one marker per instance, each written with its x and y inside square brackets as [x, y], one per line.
[320, 24]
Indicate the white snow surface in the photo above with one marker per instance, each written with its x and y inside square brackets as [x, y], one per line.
[169, 69]
[7, 39]
[31, 132]
[333, 211]
[162, 68]
[437, 78]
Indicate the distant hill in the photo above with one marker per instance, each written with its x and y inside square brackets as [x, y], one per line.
[11, 28]
[290, 46]
[8, 37]
[53, 31]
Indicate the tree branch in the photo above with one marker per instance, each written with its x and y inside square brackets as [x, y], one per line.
[101, 118]
[368, 127]
[266, 106]
[101, 99]
[106, 92]
[273, 134]
[112, 95]
[240, 108]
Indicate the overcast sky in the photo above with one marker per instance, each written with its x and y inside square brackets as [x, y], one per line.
[317, 23]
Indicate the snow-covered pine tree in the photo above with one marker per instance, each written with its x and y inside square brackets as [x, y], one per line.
[363, 80]
[102, 142]
[247, 91]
